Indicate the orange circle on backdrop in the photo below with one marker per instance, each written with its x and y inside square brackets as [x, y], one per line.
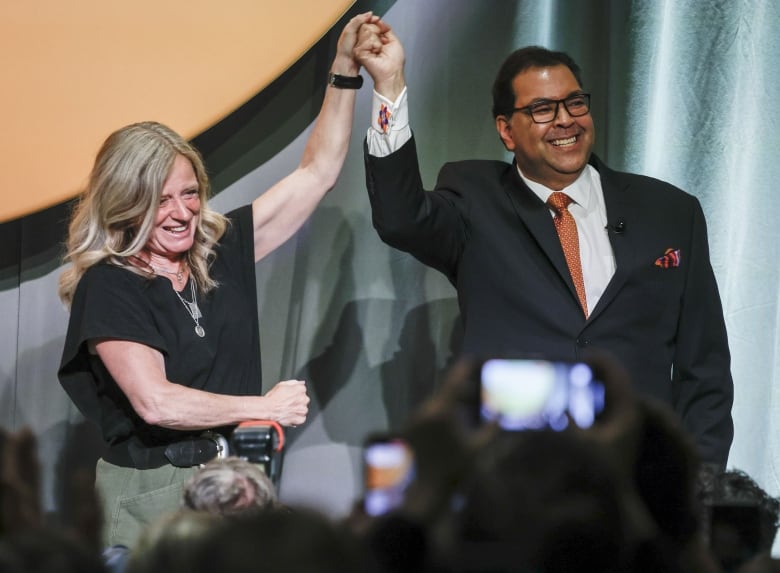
[76, 71]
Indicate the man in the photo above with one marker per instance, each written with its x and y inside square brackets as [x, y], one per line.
[620, 262]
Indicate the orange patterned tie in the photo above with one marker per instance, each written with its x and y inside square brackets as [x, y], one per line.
[567, 233]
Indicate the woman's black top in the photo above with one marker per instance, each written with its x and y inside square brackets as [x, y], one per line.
[112, 302]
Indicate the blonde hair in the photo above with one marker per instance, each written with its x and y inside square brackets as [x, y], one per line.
[115, 215]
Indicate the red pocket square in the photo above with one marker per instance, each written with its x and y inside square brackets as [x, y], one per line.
[671, 258]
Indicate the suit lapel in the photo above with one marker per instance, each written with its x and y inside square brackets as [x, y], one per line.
[618, 205]
[538, 220]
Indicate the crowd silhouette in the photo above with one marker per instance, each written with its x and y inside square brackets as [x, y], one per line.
[625, 495]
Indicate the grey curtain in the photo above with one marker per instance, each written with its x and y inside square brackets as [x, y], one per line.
[682, 90]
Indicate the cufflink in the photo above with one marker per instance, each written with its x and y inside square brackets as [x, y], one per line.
[383, 119]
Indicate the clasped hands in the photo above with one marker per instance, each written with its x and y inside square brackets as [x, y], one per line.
[373, 45]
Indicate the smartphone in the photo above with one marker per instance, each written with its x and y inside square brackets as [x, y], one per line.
[530, 394]
[388, 469]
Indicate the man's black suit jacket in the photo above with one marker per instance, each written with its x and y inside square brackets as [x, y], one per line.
[495, 241]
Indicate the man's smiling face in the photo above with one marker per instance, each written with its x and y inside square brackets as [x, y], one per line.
[554, 153]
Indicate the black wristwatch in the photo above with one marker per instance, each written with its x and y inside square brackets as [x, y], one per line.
[345, 82]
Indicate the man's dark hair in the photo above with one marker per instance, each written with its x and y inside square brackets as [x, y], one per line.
[736, 489]
[519, 61]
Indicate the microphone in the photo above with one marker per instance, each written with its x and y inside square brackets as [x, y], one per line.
[619, 227]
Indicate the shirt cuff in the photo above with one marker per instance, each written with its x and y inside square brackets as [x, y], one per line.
[389, 125]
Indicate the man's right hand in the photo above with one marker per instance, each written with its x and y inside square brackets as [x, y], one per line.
[380, 52]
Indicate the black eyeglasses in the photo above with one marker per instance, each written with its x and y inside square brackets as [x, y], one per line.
[544, 111]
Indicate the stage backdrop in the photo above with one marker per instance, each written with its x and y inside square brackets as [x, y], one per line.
[682, 90]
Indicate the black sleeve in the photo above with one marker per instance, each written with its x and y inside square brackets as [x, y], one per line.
[426, 224]
[108, 303]
[702, 374]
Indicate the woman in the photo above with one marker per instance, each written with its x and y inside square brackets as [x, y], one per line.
[162, 342]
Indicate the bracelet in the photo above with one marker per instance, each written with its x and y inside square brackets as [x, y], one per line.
[345, 82]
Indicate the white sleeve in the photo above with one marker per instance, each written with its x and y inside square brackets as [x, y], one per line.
[389, 125]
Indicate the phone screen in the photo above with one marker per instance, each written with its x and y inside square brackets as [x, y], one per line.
[539, 394]
[388, 471]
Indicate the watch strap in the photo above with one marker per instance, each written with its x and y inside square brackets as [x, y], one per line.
[345, 82]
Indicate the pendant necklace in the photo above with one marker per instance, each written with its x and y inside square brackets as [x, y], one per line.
[178, 274]
[193, 309]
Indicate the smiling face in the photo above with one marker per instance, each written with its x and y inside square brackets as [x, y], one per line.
[554, 153]
[177, 216]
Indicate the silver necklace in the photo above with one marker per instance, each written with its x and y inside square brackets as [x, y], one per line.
[193, 309]
[178, 274]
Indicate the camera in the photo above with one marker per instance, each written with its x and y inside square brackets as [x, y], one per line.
[388, 469]
[533, 394]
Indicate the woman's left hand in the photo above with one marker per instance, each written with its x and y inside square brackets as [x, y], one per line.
[288, 402]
